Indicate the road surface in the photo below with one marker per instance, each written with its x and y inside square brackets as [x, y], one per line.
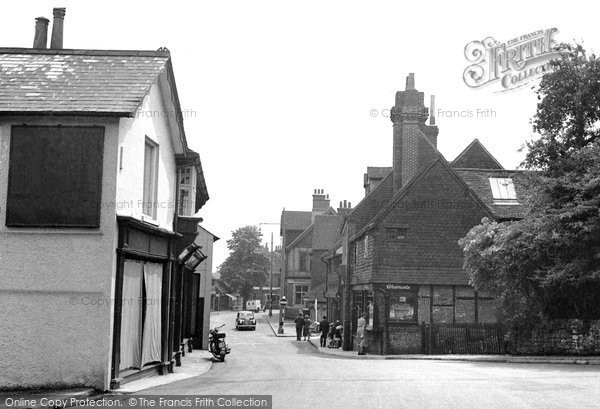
[298, 377]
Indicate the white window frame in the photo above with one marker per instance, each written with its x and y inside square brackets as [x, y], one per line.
[185, 187]
[303, 293]
[150, 192]
[503, 190]
[181, 211]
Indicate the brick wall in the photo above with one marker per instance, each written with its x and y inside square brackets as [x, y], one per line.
[405, 340]
[557, 337]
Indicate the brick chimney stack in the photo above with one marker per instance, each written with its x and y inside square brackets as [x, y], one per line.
[57, 28]
[320, 202]
[40, 40]
[408, 115]
[345, 208]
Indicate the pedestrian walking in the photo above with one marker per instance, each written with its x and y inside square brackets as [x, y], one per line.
[361, 325]
[299, 326]
[324, 327]
[306, 327]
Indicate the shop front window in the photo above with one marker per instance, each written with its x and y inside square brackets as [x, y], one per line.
[403, 307]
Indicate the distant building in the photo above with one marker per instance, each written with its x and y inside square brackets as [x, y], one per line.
[297, 232]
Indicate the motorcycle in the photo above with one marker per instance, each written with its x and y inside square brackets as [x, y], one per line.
[216, 343]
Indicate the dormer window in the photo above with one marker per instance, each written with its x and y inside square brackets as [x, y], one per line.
[503, 191]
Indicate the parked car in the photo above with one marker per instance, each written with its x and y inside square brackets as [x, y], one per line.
[245, 319]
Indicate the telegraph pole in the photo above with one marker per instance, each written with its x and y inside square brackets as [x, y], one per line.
[271, 279]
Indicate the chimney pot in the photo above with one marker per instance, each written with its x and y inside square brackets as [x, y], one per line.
[57, 28]
[432, 111]
[349, 205]
[410, 81]
[40, 40]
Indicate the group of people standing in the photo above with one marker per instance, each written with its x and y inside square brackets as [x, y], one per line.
[331, 332]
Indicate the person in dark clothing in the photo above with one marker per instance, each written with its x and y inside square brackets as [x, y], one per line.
[324, 327]
[299, 326]
[306, 327]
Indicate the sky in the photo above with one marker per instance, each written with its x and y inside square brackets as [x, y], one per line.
[281, 98]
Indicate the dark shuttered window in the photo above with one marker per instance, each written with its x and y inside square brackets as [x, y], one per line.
[55, 176]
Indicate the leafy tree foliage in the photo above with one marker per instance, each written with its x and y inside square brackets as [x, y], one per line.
[568, 112]
[248, 262]
[548, 264]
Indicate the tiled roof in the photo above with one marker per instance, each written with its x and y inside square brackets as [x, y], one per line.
[478, 181]
[326, 231]
[306, 233]
[370, 205]
[476, 156]
[378, 172]
[295, 220]
[77, 81]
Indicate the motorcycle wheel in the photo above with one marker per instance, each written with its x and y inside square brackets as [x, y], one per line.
[222, 357]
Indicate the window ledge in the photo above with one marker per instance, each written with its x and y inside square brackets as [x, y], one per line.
[506, 202]
[148, 219]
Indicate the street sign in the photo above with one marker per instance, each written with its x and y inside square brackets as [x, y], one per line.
[283, 302]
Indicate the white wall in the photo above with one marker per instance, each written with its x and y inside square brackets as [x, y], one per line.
[152, 121]
[205, 239]
[56, 285]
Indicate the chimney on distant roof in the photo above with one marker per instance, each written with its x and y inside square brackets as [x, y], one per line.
[57, 28]
[40, 40]
[344, 209]
[320, 202]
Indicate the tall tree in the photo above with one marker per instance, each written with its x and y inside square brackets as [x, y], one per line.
[548, 264]
[567, 115]
[248, 262]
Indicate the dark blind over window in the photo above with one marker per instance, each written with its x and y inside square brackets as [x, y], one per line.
[55, 176]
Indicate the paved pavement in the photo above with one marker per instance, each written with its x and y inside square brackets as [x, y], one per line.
[192, 365]
[299, 377]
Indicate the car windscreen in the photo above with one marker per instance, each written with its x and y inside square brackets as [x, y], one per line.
[245, 314]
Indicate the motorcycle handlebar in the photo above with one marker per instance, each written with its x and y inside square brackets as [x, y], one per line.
[218, 328]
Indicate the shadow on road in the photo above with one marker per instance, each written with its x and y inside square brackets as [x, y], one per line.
[303, 347]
